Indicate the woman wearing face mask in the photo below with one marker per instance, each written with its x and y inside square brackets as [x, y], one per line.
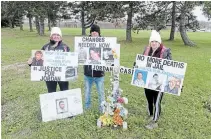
[155, 49]
[55, 44]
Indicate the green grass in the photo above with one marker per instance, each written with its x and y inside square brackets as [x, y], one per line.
[183, 117]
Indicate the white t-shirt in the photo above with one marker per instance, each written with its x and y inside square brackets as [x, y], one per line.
[139, 83]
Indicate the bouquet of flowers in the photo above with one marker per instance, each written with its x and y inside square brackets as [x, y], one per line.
[114, 112]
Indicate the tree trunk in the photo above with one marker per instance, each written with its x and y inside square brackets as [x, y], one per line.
[30, 23]
[173, 22]
[129, 23]
[49, 23]
[37, 24]
[42, 26]
[182, 28]
[83, 22]
[13, 24]
[21, 24]
[10, 23]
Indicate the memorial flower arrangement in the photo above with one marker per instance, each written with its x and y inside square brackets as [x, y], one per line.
[114, 112]
[115, 55]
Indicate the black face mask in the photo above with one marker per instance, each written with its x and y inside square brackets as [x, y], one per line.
[52, 42]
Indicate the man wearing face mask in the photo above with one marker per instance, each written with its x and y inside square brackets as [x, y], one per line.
[155, 49]
[55, 44]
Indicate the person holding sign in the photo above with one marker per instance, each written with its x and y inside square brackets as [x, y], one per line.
[55, 44]
[91, 75]
[155, 49]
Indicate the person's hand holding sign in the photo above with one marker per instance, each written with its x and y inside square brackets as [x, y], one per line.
[29, 61]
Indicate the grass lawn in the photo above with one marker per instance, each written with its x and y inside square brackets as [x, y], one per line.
[183, 117]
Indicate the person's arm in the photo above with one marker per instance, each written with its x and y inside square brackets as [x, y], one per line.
[66, 48]
[168, 55]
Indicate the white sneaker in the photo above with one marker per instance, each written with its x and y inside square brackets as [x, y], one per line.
[152, 125]
[149, 118]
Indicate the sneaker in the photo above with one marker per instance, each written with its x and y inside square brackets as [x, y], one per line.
[152, 125]
[149, 118]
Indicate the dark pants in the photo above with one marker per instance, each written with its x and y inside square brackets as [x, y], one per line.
[154, 100]
[51, 85]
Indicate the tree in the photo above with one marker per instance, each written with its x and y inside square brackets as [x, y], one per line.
[46, 10]
[53, 10]
[88, 12]
[207, 9]
[155, 15]
[159, 14]
[187, 19]
[12, 13]
[173, 21]
[129, 22]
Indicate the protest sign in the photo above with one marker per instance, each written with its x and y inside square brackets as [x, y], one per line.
[121, 69]
[159, 74]
[53, 66]
[61, 104]
[97, 50]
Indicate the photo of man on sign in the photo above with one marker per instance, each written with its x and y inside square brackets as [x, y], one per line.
[139, 78]
[107, 54]
[82, 55]
[154, 83]
[95, 54]
[61, 105]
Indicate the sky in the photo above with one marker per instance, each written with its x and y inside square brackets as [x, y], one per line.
[198, 12]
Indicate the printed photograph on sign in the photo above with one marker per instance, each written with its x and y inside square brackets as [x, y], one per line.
[61, 105]
[37, 58]
[107, 54]
[70, 72]
[82, 55]
[173, 85]
[139, 78]
[95, 54]
[155, 81]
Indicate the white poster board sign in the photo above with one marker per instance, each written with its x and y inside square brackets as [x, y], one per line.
[97, 50]
[121, 69]
[159, 74]
[59, 105]
[54, 66]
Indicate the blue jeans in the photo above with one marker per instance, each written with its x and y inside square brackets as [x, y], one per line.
[99, 81]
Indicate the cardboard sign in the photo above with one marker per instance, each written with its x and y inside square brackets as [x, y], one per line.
[54, 66]
[61, 104]
[159, 74]
[97, 50]
[121, 69]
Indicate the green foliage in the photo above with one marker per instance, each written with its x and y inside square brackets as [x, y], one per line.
[207, 9]
[157, 15]
[11, 13]
[182, 117]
